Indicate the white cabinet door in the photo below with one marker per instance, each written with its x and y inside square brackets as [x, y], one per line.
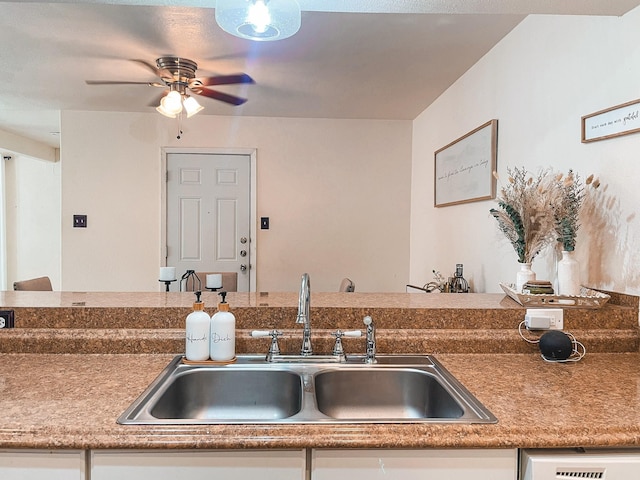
[414, 464]
[42, 464]
[198, 465]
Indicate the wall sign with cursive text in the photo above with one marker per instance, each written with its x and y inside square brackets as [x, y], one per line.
[611, 122]
[464, 168]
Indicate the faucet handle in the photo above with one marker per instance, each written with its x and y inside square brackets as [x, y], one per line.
[261, 333]
[337, 348]
[266, 333]
[274, 348]
[352, 333]
[347, 333]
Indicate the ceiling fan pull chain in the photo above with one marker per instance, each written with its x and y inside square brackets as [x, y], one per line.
[179, 126]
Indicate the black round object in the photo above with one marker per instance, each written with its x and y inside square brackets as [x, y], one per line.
[555, 345]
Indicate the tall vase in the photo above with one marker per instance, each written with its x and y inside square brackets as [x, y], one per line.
[524, 275]
[568, 274]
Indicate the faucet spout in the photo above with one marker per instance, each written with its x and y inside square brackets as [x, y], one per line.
[304, 314]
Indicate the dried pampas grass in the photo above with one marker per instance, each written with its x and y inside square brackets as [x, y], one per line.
[537, 210]
[566, 212]
[523, 215]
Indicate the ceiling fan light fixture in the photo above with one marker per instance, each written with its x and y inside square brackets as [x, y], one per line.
[259, 20]
[172, 102]
[192, 106]
[160, 109]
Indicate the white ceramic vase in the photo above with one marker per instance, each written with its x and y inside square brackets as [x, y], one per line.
[524, 275]
[568, 274]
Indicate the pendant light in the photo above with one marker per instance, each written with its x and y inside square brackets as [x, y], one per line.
[259, 20]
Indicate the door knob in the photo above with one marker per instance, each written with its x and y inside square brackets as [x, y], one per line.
[243, 240]
[243, 253]
[243, 267]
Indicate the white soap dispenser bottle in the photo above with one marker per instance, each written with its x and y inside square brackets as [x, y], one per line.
[197, 332]
[223, 333]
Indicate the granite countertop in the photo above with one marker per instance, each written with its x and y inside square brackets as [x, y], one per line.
[75, 361]
[104, 322]
[130, 300]
[72, 401]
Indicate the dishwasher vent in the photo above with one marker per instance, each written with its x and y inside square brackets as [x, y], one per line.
[566, 473]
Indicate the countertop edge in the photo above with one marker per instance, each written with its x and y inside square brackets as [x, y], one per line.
[448, 437]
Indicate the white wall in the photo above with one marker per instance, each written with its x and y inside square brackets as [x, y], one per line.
[538, 82]
[337, 193]
[33, 219]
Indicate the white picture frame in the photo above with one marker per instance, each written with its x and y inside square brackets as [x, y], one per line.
[611, 122]
[463, 169]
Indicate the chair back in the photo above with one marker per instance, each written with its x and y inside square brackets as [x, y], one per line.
[35, 284]
[347, 286]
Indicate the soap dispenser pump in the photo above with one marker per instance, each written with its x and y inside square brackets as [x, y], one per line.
[223, 333]
[197, 332]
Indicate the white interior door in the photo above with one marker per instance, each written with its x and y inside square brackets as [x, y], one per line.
[208, 214]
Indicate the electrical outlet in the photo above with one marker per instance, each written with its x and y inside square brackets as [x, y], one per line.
[7, 319]
[544, 319]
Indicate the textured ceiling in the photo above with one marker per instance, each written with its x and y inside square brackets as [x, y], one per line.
[349, 59]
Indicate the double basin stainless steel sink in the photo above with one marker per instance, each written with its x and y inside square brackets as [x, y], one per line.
[317, 389]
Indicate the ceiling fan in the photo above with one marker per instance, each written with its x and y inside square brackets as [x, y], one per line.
[179, 75]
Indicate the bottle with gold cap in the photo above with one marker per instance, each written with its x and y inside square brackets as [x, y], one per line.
[223, 333]
[197, 332]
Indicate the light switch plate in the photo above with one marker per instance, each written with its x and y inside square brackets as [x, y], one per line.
[80, 221]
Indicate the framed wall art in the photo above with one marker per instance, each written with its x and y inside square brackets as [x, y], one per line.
[611, 122]
[464, 168]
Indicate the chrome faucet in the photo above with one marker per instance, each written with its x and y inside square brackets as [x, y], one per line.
[370, 356]
[304, 314]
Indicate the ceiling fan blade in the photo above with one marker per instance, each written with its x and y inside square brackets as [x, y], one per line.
[162, 73]
[119, 82]
[225, 79]
[156, 101]
[223, 97]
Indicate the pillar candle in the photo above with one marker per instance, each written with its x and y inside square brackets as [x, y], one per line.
[167, 274]
[214, 280]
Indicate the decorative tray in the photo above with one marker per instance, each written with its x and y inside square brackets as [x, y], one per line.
[587, 299]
